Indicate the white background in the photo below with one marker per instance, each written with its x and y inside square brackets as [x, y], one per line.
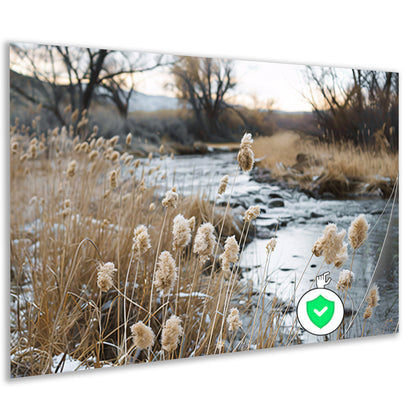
[350, 377]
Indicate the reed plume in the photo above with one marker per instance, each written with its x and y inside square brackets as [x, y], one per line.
[115, 156]
[143, 336]
[345, 280]
[181, 232]
[331, 245]
[373, 297]
[128, 139]
[230, 255]
[93, 155]
[357, 233]
[72, 167]
[141, 241]
[233, 320]
[341, 256]
[368, 313]
[113, 179]
[204, 241]
[223, 185]
[245, 156]
[166, 274]
[113, 141]
[105, 274]
[252, 213]
[171, 332]
[171, 199]
[271, 245]
[191, 222]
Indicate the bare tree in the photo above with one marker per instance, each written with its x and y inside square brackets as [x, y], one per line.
[65, 75]
[356, 104]
[203, 83]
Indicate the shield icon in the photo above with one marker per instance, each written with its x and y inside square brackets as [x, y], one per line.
[320, 311]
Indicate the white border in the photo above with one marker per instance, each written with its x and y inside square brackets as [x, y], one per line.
[371, 376]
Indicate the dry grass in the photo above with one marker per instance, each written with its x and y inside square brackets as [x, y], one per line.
[328, 167]
[75, 206]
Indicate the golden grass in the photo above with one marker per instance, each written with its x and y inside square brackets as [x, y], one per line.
[328, 167]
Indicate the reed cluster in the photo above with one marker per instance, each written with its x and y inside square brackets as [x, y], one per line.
[111, 265]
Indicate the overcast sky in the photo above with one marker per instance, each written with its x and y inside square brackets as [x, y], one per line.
[258, 83]
[282, 83]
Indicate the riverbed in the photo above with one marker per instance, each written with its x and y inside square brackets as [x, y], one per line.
[297, 220]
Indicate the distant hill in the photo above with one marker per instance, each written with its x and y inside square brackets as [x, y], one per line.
[149, 103]
[138, 102]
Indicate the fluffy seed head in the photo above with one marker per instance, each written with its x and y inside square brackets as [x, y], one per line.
[128, 139]
[373, 297]
[204, 241]
[74, 116]
[245, 159]
[357, 233]
[113, 141]
[72, 167]
[247, 140]
[331, 245]
[143, 336]
[223, 185]
[141, 240]
[105, 274]
[192, 223]
[93, 155]
[113, 179]
[252, 213]
[99, 143]
[181, 232]
[318, 247]
[128, 160]
[33, 150]
[84, 147]
[271, 245]
[233, 320]
[165, 275]
[230, 255]
[341, 256]
[368, 313]
[245, 156]
[171, 199]
[171, 332]
[115, 156]
[345, 280]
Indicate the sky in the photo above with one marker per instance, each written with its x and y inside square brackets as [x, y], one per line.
[282, 83]
[278, 86]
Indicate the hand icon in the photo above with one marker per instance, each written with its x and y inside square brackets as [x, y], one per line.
[322, 280]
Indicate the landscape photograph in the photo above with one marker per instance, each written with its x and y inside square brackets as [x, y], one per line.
[166, 207]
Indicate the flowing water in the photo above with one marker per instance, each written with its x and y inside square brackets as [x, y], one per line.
[301, 221]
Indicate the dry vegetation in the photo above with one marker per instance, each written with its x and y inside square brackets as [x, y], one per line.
[340, 169]
[111, 266]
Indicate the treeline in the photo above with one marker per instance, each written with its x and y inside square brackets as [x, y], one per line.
[362, 108]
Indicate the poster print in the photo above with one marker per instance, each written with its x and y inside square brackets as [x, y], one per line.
[166, 207]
